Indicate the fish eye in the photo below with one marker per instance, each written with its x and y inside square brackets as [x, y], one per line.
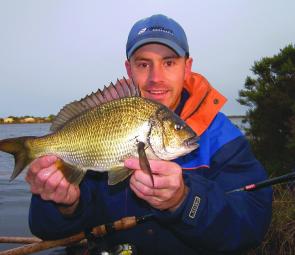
[178, 127]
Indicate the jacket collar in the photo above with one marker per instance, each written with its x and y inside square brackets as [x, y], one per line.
[203, 103]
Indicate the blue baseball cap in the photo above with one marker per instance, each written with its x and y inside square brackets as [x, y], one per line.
[157, 29]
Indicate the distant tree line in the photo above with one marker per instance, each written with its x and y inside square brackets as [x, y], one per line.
[26, 119]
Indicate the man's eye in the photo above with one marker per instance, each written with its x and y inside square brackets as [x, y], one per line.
[169, 63]
[143, 65]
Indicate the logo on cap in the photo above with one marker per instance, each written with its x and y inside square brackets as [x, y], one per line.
[155, 29]
[141, 31]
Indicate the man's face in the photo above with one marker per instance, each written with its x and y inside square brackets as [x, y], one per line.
[159, 73]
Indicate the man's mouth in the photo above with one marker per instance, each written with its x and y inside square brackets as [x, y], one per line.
[157, 92]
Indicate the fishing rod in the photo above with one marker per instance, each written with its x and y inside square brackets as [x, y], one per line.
[272, 181]
[99, 231]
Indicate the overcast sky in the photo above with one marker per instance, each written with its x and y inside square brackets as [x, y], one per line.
[54, 51]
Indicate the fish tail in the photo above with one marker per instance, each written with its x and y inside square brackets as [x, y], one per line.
[18, 148]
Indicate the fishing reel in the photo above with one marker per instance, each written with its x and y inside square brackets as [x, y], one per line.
[121, 249]
[98, 246]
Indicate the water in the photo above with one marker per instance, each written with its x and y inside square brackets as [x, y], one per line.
[15, 196]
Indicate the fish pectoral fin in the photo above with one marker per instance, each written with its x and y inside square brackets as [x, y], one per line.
[118, 174]
[73, 174]
[143, 160]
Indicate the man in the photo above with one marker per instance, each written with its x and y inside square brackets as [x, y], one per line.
[193, 214]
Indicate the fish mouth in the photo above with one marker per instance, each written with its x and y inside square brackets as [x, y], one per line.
[192, 142]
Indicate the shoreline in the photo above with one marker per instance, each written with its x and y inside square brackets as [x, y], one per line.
[26, 119]
[11, 123]
[39, 120]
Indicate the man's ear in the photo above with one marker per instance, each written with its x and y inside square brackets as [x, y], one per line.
[128, 68]
[188, 67]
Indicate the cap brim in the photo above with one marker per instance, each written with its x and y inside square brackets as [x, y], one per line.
[179, 51]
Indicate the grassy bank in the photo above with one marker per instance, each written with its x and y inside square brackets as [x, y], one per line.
[280, 238]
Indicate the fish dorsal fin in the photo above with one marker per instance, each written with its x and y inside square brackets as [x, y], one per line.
[122, 88]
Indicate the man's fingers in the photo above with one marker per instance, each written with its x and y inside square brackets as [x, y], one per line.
[62, 190]
[53, 182]
[144, 178]
[43, 175]
[65, 193]
[72, 195]
[42, 162]
[157, 166]
[164, 168]
[152, 200]
[144, 189]
[46, 180]
[137, 191]
[160, 182]
[168, 190]
[157, 192]
[132, 163]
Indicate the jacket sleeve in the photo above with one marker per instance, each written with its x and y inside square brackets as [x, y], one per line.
[209, 218]
[47, 222]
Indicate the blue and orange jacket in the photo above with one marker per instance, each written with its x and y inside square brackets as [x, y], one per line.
[209, 221]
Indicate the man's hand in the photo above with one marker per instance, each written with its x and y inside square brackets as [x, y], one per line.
[169, 190]
[47, 181]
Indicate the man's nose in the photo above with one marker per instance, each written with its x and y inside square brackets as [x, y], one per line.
[156, 74]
